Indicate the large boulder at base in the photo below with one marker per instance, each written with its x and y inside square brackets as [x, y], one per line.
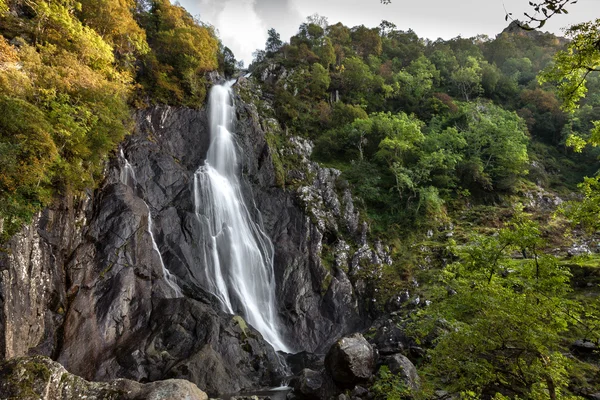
[41, 378]
[400, 365]
[350, 360]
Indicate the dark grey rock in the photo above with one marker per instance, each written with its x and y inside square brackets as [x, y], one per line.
[388, 337]
[359, 391]
[302, 360]
[584, 347]
[350, 360]
[402, 366]
[311, 384]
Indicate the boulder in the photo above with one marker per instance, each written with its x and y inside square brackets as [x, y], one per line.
[584, 348]
[308, 383]
[400, 365]
[350, 360]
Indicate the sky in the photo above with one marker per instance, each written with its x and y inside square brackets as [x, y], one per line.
[242, 24]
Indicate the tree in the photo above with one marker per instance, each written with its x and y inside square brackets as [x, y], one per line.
[572, 66]
[318, 20]
[415, 82]
[227, 61]
[366, 41]
[319, 81]
[496, 152]
[183, 51]
[274, 42]
[385, 27]
[326, 53]
[543, 115]
[114, 21]
[467, 79]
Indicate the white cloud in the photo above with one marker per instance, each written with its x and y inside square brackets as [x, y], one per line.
[241, 29]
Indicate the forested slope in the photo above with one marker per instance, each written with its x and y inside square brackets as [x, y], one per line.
[460, 157]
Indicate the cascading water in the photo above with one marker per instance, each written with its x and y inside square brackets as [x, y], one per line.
[128, 178]
[127, 173]
[238, 254]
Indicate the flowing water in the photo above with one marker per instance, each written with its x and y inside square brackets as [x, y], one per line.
[238, 254]
[128, 178]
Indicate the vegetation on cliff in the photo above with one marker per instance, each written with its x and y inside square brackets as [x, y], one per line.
[69, 71]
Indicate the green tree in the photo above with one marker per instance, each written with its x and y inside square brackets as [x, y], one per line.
[503, 318]
[326, 53]
[319, 81]
[115, 22]
[274, 42]
[496, 152]
[414, 83]
[467, 79]
[366, 41]
[572, 67]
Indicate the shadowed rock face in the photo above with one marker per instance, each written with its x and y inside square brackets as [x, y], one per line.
[83, 284]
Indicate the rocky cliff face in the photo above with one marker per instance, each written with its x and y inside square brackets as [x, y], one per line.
[85, 285]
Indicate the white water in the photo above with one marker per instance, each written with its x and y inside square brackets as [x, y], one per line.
[238, 254]
[168, 276]
[127, 173]
[127, 177]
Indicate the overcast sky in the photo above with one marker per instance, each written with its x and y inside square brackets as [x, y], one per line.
[243, 24]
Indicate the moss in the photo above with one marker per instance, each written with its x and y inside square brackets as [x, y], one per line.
[275, 157]
[242, 324]
[24, 379]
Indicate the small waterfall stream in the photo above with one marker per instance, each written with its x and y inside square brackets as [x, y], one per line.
[127, 177]
[238, 254]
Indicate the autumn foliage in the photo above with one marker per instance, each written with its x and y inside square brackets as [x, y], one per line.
[69, 71]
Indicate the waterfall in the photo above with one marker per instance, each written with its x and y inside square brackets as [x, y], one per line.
[127, 177]
[168, 276]
[127, 173]
[238, 254]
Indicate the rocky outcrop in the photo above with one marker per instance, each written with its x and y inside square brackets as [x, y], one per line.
[41, 378]
[33, 279]
[323, 259]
